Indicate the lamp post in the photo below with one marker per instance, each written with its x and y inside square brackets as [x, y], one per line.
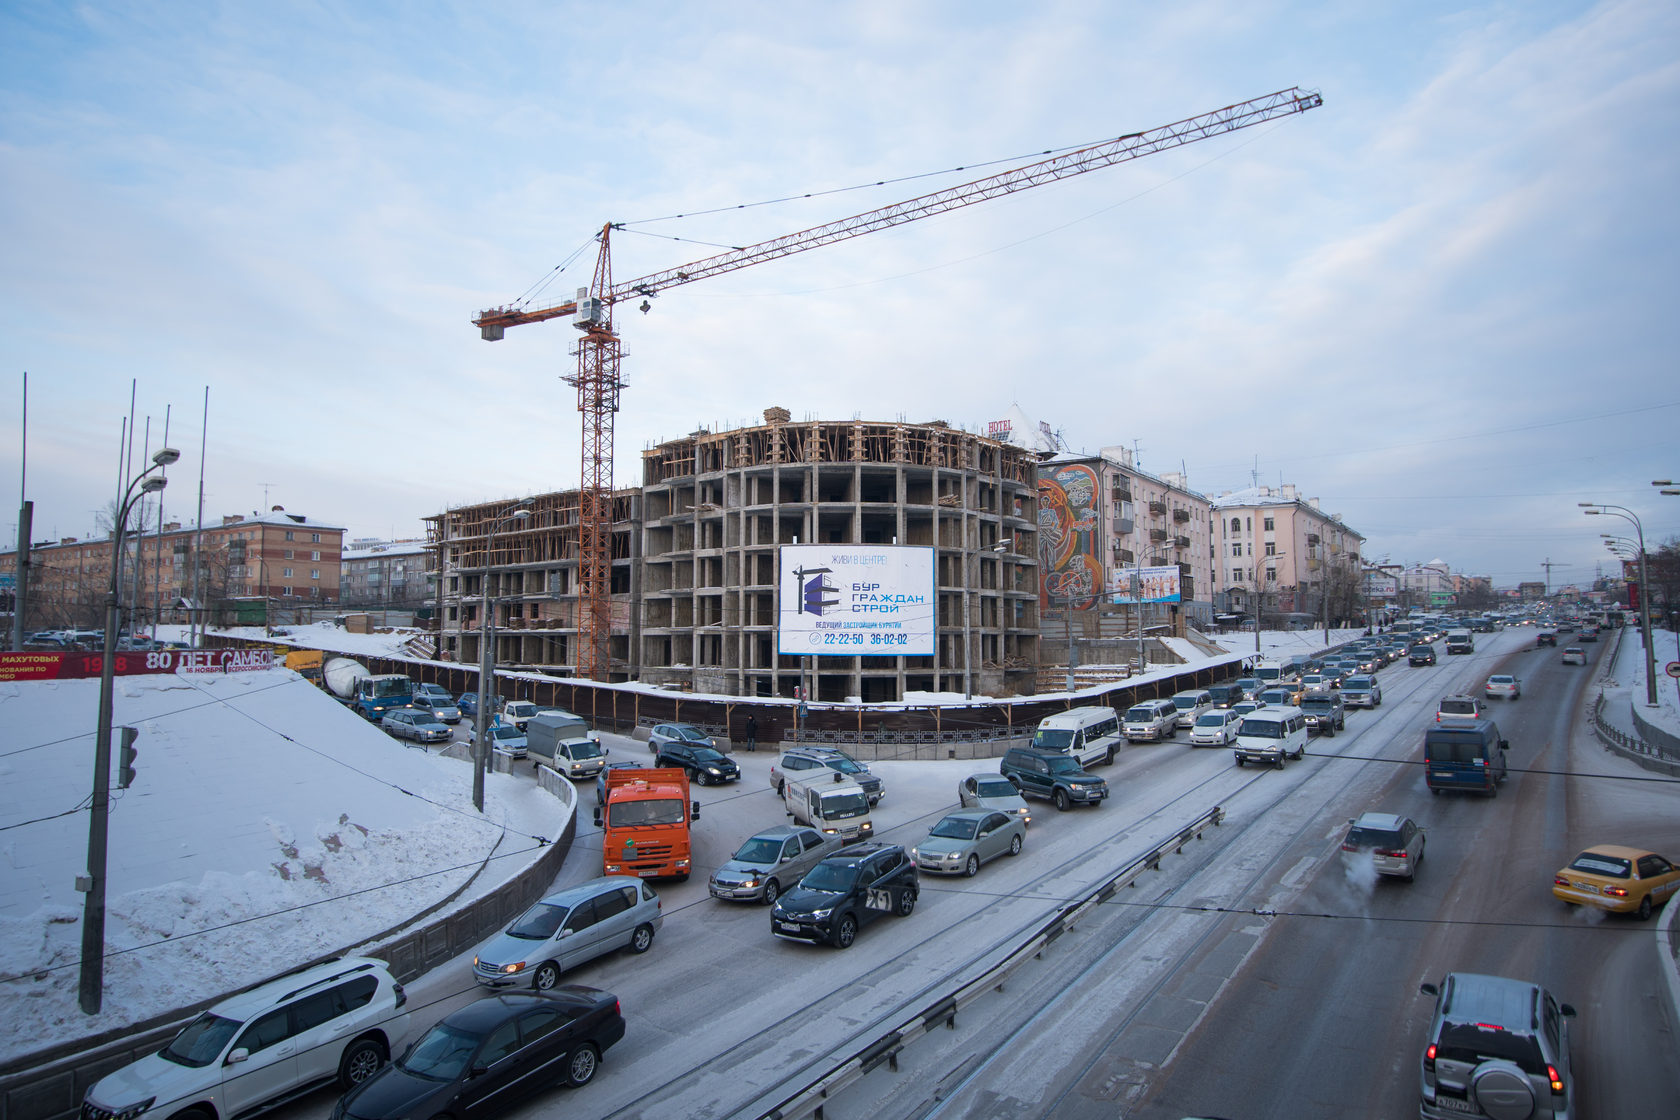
[1260, 599]
[487, 664]
[93, 908]
[1595, 509]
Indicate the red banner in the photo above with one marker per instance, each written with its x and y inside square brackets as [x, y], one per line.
[74, 666]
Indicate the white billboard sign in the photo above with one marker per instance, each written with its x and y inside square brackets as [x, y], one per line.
[1155, 585]
[855, 600]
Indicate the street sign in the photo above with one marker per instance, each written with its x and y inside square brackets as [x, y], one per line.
[1673, 669]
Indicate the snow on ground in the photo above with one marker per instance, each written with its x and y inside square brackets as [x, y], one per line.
[256, 794]
[1629, 673]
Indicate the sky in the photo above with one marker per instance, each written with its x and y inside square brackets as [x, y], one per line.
[1439, 303]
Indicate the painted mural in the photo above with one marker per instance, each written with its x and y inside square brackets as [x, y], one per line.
[1067, 533]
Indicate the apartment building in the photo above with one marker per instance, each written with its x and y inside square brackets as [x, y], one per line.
[1281, 554]
[378, 574]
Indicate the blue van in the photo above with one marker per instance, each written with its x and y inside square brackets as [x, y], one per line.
[1464, 756]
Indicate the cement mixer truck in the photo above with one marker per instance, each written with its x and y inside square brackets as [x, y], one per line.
[370, 694]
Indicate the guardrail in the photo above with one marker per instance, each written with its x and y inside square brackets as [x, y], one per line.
[808, 1101]
[1617, 739]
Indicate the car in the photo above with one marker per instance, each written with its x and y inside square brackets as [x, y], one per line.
[1420, 654]
[686, 733]
[1623, 880]
[1215, 729]
[703, 764]
[1319, 682]
[1243, 707]
[1503, 685]
[1574, 655]
[467, 702]
[1362, 691]
[1458, 708]
[1566, 628]
[601, 777]
[338, 1021]
[1224, 695]
[491, 1054]
[993, 791]
[795, 759]
[847, 891]
[1589, 634]
[1191, 703]
[1250, 686]
[517, 712]
[1393, 843]
[506, 739]
[567, 929]
[769, 861]
[412, 723]
[1496, 1047]
[433, 692]
[963, 840]
[1283, 696]
[1324, 712]
[1052, 775]
[1545, 638]
[1150, 720]
[445, 710]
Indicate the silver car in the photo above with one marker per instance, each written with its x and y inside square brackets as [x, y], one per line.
[444, 710]
[1394, 844]
[1362, 692]
[965, 839]
[412, 723]
[1496, 1047]
[568, 928]
[1502, 684]
[993, 791]
[769, 862]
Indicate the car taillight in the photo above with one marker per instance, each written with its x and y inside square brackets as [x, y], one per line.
[1392, 855]
[1616, 892]
[1346, 847]
[1559, 881]
[1557, 1082]
[1429, 1058]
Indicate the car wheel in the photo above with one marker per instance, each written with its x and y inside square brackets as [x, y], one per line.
[772, 891]
[547, 975]
[653, 749]
[1644, 912]
[906, 903]
[581, 1069]
[1329, 731]
[1015, 845]
[781, 789]
[361, 1061]
[1108, 759]
[846, 932]
[702, 778]
[972, 867]
[641, 940]
[1060, 800]
[1239, 760]
[1280, 759]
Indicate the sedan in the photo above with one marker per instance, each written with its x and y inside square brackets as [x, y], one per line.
[770, 860]
[1611, 877]
[1503, 685]
[467, 703]
[993, 791]
[411, 723]
[1393, 843]
[1574, 655]
[678, 733]
[1589, 633]
[491, 1054]
[1215, 729]
[965, 839]
[704, 765]
[508, 739]
[444, 710]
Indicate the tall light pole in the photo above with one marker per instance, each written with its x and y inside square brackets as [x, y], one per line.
[487, 663]
[1594, 509]
[1260, 599]
[93, 908]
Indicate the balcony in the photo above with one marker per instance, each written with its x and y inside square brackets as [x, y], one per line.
[1181, 542]
[1122, 494]
[1159, 509]
[1124, 555]
[1181, 515]
[1157, 535]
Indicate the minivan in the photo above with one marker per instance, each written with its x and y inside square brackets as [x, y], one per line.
[1091, 735]
[1271, 735]
[1191, 703]
[1464, 756]
[568, 928]
[1150, 720]
[1460, 641]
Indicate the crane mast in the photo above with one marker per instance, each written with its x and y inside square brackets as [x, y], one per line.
[599, 353]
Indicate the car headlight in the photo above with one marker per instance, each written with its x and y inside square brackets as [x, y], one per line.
[133, 1110]
[714, 771]
[820, 914]
[516, 966]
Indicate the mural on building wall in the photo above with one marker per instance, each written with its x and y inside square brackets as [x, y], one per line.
[1067, 527]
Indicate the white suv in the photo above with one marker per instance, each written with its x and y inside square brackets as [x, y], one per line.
[336, 1021]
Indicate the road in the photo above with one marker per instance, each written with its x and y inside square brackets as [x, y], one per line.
[1252, 976]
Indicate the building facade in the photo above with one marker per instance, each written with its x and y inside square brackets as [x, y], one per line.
[386, 574]
[1280, 555]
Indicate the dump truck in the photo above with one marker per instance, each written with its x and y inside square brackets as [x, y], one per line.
[370, 694]
[645, 824]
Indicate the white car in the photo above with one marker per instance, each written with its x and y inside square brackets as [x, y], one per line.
[993, 791]
[336, 1021]
[1574, 655]
[1502, 684]
[1215, 729]
[1150, 720]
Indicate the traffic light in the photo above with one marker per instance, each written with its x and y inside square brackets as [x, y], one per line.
[125, 757]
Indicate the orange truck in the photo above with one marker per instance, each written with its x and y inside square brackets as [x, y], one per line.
[645, 823]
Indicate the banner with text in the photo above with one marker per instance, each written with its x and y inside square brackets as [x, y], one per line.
[1155, 585]
[855, 600]
[76, 666]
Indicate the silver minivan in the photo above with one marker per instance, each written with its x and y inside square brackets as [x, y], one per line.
[568, 928]
[1191, 703]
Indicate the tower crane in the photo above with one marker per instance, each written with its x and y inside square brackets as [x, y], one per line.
[599, 354]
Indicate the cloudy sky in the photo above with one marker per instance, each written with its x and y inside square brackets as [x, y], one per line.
[1441, 303]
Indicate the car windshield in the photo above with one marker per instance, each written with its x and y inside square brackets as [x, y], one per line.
[1052, 739]
[1596, 863]
[1357, 682]
[383, 687]
[759, 849]
[707, 755]
[501, 731]
[1185, 703]
[994, 787]
[1317, 704]
[201, 1041]
[844, 765]
[1212, 719]
[1461, 751]
[1361, 837]
[539, 923]
[628, 814]
[441, 1054]
[1247, 684]
[425, 718]
[1501, 680]
[1261, 729]
[1458, 707]
[955, 828]
[835, 878]
[690, 734]
[1063, 764]
[1139, 714]
[844, 806]
[589, 748]
[1275, 696]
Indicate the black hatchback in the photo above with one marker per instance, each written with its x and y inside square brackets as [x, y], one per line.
[1421, 654]
[490, 1055]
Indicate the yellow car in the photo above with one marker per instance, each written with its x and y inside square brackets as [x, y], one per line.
[1626, 880]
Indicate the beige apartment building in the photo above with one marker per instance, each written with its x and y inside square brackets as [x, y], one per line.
[1282, 555]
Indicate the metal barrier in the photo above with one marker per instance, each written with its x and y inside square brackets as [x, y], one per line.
[808, 1100]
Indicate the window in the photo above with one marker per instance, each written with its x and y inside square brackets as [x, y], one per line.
[504, 1040]
[1236, 524]
[288, 554]
[315, 538]
[315, 556]
[539, 1023]
[322, 1007]
[314, 573]
[1267, 525]
[614, 902]
[285, 573]
[1236, 575]
[265, 1032]
[1236, 549]
[1271, 548]
[288, 534]
[1271, 575]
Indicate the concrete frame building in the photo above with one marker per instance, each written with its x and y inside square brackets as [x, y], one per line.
[1281, 554]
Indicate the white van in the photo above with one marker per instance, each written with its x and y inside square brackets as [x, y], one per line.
[1091, 735]
[1268, 675]
[1271, 735]
[1191, 703]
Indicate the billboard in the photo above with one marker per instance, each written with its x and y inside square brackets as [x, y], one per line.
[74, 666]
[1382, 587]
[855, 600]
[1155, 585]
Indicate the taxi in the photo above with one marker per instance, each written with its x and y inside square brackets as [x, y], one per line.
[1624, 880]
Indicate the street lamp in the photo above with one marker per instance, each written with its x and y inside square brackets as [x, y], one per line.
[1260, 598]
[93, 908]
[487, 663]
[1594, 509]
[1007, 544]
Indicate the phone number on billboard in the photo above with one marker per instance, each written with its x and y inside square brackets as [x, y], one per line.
[830, 639]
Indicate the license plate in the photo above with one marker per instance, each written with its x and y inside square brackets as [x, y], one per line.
[649, 873]
[787, 927]
[1453, 1104]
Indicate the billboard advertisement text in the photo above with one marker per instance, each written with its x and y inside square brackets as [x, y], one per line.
[846, 600]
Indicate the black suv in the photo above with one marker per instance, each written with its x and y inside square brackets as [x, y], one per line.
[1325, 712]
[1052, 775]
[1421, 654]
[849, 889]
[704, 765]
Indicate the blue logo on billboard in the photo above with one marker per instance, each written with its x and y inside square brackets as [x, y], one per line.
[815, 591]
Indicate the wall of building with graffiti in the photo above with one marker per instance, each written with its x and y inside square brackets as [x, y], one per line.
[1068, 531]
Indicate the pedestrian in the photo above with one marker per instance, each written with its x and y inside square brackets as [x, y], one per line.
[752, 733]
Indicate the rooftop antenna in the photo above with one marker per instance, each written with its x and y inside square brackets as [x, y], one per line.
[265, 486]
[1254, 475]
